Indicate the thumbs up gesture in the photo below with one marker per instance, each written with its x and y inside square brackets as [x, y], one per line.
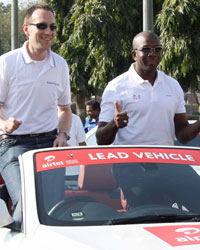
[121, 118]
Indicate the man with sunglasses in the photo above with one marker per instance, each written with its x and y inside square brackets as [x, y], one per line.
[35, 102]
[144, 105]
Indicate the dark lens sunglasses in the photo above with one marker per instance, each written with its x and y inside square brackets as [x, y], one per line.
[43, 26]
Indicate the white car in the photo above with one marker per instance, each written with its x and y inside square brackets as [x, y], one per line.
[91, 137]
[124, 197]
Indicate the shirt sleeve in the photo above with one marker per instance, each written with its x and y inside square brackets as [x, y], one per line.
[180, 100]
[107, 104]
[80, 131]
[65, 97]
[3, 85]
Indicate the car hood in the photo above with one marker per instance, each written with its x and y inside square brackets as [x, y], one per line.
[117, 237]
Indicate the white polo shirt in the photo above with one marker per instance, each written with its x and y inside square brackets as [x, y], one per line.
[77, 132]
[151, 109]
[31, 93]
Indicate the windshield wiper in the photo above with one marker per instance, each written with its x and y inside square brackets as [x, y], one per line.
[164, 218]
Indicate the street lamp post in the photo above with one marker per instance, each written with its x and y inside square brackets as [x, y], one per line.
[147, 15]
[14, 24]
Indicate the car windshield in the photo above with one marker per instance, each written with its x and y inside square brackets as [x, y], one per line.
[114, 185]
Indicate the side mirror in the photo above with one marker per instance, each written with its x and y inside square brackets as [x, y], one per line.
[5, 218]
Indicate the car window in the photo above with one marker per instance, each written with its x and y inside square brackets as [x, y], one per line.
[99, 186]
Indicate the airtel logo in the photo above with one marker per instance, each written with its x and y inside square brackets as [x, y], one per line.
[188, 230]
[188, 234]
[49, 158]
[177, 235]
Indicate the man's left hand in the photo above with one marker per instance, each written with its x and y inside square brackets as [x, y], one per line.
[60, 141]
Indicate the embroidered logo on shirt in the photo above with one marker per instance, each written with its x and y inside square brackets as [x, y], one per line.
[136, 97]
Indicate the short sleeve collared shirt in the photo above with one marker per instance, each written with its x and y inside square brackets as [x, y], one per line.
[91, 123]
[151, 109]
[77, 133]
[32, 94]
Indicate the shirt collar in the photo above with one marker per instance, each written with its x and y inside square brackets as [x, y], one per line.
[28, 59]
[96, 119]
[138, 79]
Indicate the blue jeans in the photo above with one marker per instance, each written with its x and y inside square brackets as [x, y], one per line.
[10, 149]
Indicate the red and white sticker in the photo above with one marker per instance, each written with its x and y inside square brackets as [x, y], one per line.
[177, 235]
[72, 157]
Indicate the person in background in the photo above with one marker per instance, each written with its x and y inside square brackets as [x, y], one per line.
[92, 110]
[77, 138]
[77, 133]
[35, 103]
[144, 105]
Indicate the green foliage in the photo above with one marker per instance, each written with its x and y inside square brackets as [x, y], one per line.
[5, 31]
[178, 24]
[61, 8]
[21, 35]
[5, 41]
[95, 38]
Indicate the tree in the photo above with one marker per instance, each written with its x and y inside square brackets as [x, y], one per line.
[5, 41]
[95, 38]
[178, 25]
[5, 31]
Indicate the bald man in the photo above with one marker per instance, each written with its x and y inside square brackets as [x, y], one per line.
[144, 106]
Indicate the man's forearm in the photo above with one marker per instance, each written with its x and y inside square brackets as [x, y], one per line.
[2, 124]
[106, 133]
[65, 118]
[188, 133]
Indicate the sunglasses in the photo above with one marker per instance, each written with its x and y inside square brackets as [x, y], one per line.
[43, 26]
[148, 49]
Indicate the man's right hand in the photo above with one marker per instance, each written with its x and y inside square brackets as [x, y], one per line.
[121, 118]
[11, 125]
[107, 131]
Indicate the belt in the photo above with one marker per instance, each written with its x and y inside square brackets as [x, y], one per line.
[53, 132]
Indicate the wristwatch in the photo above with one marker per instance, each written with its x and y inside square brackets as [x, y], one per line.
[66, 132]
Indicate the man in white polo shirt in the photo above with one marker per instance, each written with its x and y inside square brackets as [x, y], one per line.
[144, 105]
[35, 100]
